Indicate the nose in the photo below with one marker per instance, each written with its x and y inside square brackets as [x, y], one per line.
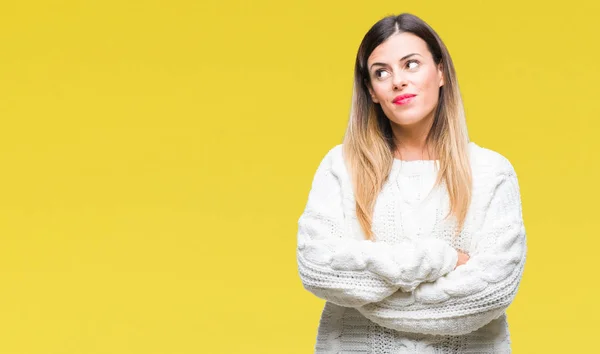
[399, 81]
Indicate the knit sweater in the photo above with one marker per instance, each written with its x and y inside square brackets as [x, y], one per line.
[402, 292]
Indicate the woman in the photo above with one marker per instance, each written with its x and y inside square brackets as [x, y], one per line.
[413, 234]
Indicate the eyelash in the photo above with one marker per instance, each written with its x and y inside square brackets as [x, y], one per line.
[408, 61]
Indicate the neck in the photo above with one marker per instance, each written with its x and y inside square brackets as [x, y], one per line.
[411, 140]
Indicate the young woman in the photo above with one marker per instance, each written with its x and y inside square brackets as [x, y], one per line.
[413, 234]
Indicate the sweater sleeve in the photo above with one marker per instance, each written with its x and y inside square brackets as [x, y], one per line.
[352, 272]
[477, 292]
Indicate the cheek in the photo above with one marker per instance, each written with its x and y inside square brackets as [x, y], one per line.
[430, 88]
[379, 89]
[434, 81]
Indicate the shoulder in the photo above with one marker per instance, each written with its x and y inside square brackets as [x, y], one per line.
[494, 177]
[334, 159]
[335, 152]
[485, 161]
[330, 173]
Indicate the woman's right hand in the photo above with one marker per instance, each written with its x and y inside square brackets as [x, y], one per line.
[462, 258]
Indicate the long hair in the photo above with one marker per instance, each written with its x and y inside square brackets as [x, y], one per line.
[369, 143]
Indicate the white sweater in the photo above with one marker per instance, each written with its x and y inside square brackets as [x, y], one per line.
[401, 293]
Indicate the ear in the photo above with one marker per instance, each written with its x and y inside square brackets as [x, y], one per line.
[441, 74]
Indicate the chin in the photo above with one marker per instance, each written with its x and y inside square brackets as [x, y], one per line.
[406, 121]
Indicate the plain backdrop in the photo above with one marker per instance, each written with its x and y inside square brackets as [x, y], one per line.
[155, 158]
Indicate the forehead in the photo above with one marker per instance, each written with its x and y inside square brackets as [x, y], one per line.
[397, 46]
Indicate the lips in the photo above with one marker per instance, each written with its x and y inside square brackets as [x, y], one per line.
[399, 99]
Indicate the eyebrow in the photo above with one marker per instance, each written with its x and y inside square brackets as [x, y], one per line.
[401, 59]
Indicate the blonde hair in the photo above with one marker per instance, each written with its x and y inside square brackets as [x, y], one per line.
[369, 144]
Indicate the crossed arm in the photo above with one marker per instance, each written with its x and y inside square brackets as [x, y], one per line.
[413, 286]
[475, 293]
[351, 272]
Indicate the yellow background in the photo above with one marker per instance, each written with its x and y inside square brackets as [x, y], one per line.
[155, 157]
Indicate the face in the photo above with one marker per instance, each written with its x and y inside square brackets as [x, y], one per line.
[403, 65]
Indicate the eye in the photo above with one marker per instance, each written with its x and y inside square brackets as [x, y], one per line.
[377, 72]
[413, 61]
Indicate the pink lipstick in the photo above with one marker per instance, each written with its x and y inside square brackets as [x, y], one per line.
[403, 99]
